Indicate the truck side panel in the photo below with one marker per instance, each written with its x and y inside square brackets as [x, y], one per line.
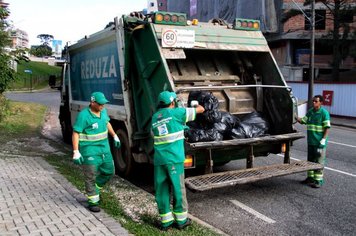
[95, 67]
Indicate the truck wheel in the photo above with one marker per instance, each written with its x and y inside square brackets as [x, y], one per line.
[123, 160]
[66, 131]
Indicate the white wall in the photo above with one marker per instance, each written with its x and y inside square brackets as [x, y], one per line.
[344, 96]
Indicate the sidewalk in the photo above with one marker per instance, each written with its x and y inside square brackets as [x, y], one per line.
[36, 200]
[344, 122]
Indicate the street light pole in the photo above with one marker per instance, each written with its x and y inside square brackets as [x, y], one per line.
[312, 52]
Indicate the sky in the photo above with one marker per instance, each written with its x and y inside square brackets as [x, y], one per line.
[67, 20]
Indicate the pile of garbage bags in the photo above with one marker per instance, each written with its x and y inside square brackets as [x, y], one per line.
[215, 125]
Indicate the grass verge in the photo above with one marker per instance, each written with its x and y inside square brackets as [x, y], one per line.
[26, 119]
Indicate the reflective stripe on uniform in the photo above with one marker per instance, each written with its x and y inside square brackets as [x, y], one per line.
[315, 128]
[181, 216]
[304, 120]
[93, 137]
[326, 123]
[318, 176]
[165, 218]
[311, 173]
[169, 138]
[93, 199]
[190, 116]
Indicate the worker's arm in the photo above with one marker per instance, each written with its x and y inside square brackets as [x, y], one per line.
[326, 133]
[75, 140]
[110, 129]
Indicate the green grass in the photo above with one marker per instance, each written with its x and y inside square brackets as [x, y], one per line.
[22, 119]
[40, 74]
[26, 119]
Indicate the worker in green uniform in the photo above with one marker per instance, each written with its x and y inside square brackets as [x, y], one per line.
[91, 147]
[168, 125]
[317, 120]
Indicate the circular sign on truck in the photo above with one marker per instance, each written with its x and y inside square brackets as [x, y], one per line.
[177, 38]
[169, 38]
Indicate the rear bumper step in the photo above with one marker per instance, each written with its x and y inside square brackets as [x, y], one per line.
[230, 178]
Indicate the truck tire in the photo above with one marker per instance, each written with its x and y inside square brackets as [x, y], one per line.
[123, 159]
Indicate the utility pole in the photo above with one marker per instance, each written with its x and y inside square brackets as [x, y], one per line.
[312, 50]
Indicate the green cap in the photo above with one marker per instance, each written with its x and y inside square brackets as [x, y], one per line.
[98, 97]
[166, 97]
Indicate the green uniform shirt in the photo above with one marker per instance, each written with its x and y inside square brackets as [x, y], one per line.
[168, 126]
[93, 132]
[317, 122]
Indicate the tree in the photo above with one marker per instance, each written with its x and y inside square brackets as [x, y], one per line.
[46, 39]
[341, 35]
[7, 74]
[41, 50]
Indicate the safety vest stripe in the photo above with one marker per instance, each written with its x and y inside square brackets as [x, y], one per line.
[166, 217]
[169, 138]
[304, 119]
[93, 137]
[326, 123]
[94, 199]
[181, 216]
[190, 116]
[318, 176]
[311, 173]
[316, 128]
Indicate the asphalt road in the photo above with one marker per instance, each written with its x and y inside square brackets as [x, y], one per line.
[277, 206]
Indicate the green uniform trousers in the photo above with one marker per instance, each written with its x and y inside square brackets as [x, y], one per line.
[316, 155]
[97, 171]
[166, 177]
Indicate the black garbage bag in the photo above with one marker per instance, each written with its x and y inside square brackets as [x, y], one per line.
[210, 104]
[200, 135]
[226, 124]
[237, 133]
[252, 125]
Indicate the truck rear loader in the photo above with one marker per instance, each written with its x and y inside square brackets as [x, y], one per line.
[136, 57]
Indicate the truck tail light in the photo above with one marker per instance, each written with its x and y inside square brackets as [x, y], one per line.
[170, 18]
[189, 161]
[283, 148]
[246, 24]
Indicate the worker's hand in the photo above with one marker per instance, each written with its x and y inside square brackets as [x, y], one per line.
[117, 142]
[77, 157]
[322, 143]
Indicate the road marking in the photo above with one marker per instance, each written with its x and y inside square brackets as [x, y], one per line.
[253, 212]
[328, 168]
[347, 145]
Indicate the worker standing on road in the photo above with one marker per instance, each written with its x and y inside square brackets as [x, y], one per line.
[317, 120]
[91, 147]
[168, 125]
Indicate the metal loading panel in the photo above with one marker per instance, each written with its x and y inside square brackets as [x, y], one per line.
[230, 178]
[280, 138]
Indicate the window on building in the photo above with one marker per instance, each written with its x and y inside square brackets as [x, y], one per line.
[346, 17]
[160, 4]
[152, 4]
[320, 17]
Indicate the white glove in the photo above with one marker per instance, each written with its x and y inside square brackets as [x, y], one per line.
[117, 142]
[194, 103]
[77, 157]
[323, 142]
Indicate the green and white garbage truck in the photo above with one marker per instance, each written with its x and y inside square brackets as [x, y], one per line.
[135, 58]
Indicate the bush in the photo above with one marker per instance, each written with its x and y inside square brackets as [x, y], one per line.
[4, 107]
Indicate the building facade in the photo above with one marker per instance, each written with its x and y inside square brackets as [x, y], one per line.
[19, 38]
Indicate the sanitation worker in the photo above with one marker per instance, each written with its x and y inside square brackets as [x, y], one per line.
[91, 147]
[168, 125]
[317, 120]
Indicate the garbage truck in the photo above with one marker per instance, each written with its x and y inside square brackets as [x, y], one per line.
[137, 56]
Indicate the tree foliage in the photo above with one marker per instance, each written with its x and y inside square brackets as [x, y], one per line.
[7, 74]
[41, 51]
[342, 36]
[46, 39]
